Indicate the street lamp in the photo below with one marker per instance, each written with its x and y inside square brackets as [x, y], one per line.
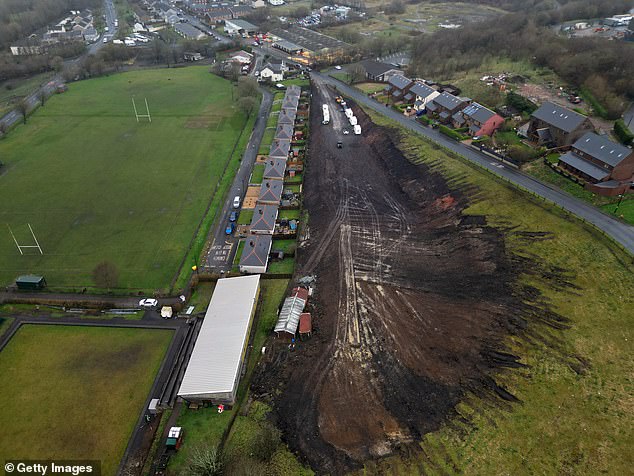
[619, 203]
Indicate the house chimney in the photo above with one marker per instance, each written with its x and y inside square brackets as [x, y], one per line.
[251, 243]
[260, 211]
[268, 185]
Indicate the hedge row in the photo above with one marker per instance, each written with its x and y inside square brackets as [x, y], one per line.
[451, 133]
[623, 132]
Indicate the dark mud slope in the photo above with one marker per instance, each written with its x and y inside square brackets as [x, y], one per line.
[413, 301]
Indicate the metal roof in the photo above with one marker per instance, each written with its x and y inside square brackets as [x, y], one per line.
[559, 116]
[288, 319]
[584, 166]
[242, 24]
[602, 148]
[214, 365]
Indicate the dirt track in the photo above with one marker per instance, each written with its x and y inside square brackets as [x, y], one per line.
[412, 302]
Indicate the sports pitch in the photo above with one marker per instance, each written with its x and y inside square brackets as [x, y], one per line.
[96, 186]
[76, 392]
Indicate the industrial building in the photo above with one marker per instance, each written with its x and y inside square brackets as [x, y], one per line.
[215, 366]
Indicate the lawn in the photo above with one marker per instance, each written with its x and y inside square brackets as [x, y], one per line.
[245, 217]
[288, 214]
[206, 426]
[102, 187]
[5, 323]
[257, 175]
[12, 90]
[76, 392]
[625, 210]
[370, 88]
[284, 245]
[285, 266]
[569, 421]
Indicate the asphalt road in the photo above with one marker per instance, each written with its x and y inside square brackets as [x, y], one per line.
[223, 248]
[620, 232]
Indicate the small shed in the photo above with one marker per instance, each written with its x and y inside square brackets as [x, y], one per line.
[30, 282]
[305, 326]
[153, 406]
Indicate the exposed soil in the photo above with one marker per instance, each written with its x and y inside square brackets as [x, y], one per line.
[413, 301]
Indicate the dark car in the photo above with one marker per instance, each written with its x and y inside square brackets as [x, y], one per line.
[339, 145]
[233, 216]
[230, 227]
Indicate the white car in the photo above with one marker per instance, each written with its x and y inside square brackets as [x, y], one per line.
[346, 132]
[148, 303]
[337, 67]
[236, 202]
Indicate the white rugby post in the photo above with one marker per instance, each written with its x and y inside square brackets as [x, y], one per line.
[136, 113]
[19, 246]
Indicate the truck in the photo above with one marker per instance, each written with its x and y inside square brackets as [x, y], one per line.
[326, 112]
[357, 130]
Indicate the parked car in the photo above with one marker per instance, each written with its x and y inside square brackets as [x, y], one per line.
[233, 216]
[230, 227]
[339, 145]
[148, 303]
[337, 67]
[346, 132]
[236, 201]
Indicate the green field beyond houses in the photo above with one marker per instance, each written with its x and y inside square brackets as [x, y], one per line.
[96, 186]
[76, 392]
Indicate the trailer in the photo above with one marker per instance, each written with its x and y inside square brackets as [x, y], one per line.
[326, 112]
[357, 130]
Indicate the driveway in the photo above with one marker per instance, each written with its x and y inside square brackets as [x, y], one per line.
[620, 232]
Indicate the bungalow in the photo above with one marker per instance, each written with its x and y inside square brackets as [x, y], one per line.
[377, 71]
[271, 192]
[423, 94]
[558, 125]
[280, 149]
[398, 86]
[290, 102]
[272, 72]
[263, 222]
[284, 132]
[480, 120]
[607, 167]
[287, 116]
[445, 105]
[294, 90]
[275, 167]
[255, 255]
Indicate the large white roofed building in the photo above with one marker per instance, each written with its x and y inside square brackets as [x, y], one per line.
[215, 365]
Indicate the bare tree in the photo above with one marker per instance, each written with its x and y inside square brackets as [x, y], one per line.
[356, 74]
[42, 96]
[106, 275]
[247, 104]
[247, 87]
[23, 108]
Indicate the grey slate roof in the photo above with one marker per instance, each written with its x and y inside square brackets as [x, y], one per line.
[284, 132]
[290, 102]
[399, 81]
[584, 166]
[376, 68]
[448, 101]
[256, 250]
[280, 149]
[478, 112]
[287, 116]
[264, 217]
[602, 148]
[271, 192]
[293, 90]
[421, 90]
[458, 117]
[431, 106]
[559, 116]
[275, 168]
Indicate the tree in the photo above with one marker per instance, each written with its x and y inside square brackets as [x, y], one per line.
[247, 87]
[247, 104]
[205, 461]
[23, 109]
[106, 275]
[42, 96]
[356, 74]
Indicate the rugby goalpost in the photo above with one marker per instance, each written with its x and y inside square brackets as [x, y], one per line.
[136, 113]
[20, 247]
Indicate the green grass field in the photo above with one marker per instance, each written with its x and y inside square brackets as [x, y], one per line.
[76, 392]
[96, 185]
[567, 422]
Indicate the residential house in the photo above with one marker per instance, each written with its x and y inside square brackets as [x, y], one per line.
[255, 254]
[271, 192]
[554, 124]
[398, 86]
[272, 72]
[377, 71]
[480, 120]
[294, 90]
[287, 116]
[263, 222]
[607, 167]
[219, 14]
[280, 149]
[192, 56]
[423, 94]
[445, 105]
[290, 102]
[242, 57]
[275, 167]
[238, 11]
[91, 35]
[284, 132]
